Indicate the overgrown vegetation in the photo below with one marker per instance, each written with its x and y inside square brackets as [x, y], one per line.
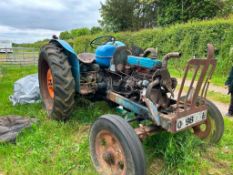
[53, 148]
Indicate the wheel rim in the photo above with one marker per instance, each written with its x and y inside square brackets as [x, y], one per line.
[204, 130]
[46, 85]
[50, 83]
[110, 154]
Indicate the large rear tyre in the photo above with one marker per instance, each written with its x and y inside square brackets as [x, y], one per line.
[57, 86]
[115, 147]
[212, 130]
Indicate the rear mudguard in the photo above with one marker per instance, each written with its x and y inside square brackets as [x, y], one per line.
[73, 60]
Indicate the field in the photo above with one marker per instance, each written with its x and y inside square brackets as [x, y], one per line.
[53, 148]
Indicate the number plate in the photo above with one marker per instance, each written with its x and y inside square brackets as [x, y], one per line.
[185, 122]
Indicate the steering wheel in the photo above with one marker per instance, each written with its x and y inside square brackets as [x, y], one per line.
[101, 41]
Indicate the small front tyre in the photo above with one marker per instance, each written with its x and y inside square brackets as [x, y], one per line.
[115, 148]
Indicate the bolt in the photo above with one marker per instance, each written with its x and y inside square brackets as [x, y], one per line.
[109, 158]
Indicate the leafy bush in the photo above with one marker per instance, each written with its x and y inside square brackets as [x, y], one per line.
[66, 35]
[37, 44]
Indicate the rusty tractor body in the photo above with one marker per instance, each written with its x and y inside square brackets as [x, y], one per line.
[139, 83]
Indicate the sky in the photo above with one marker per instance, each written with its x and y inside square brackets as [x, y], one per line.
[23, 21]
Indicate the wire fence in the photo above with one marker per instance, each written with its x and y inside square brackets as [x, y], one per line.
[19, 56]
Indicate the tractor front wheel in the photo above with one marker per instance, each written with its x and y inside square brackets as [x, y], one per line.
[57, 87]
[115, 148]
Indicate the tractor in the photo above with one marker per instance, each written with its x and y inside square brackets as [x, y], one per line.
[137, 82]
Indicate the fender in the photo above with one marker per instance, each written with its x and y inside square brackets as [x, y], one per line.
[73, 60]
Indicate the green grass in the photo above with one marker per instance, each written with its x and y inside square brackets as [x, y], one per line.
[49, 147]
[52, 147]
[217, 79]
[215, 96]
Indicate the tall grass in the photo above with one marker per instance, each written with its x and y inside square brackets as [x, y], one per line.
[180, 152]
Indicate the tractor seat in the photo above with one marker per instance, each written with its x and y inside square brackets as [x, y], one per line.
[86, 58]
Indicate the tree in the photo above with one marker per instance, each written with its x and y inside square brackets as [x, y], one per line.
[79, 32]
[145, 13]
[95, 30]
[65, 35]
[227, 9]
[117, 15]
[120, 15]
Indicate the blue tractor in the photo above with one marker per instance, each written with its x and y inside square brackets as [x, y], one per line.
[137, 82]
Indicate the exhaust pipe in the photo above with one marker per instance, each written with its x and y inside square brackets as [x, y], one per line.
[169, 56]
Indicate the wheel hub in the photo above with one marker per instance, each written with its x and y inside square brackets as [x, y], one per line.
[110, 154]
[203, 130]
[109, 158]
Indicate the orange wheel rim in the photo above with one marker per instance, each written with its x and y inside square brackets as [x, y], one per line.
[50, 83]
[110, 154]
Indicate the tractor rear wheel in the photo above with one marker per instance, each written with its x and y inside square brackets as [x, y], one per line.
[57, 86]
[212, 130]
[115, 148]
